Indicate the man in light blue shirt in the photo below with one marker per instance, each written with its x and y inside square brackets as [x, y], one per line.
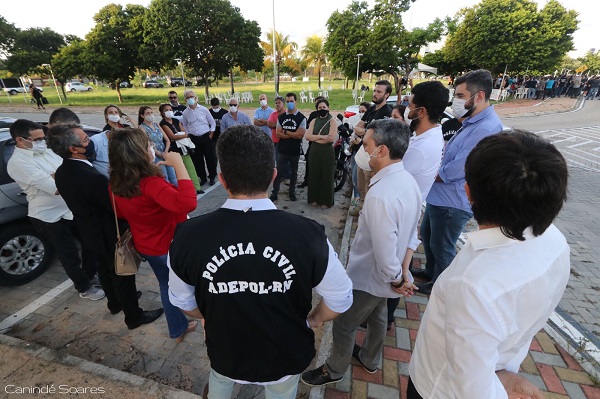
[234, 117]
[262, 114]
[448, 209]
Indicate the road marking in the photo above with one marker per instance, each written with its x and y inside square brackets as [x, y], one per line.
[208, 190]
[33, 306]
[560, 141]
[580, 144]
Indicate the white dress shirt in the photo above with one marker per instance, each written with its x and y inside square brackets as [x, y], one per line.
[386, 224]
[422, 160]
[198, 121]
[32, 172]
[484, 311]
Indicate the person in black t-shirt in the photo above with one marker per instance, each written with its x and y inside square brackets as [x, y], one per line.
[290, 130]
[175, 105]
[256, 275]
[217, 113]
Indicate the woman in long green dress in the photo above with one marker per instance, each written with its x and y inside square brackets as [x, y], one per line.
[322, 132]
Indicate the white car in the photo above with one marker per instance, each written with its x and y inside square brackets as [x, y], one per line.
[77, 86]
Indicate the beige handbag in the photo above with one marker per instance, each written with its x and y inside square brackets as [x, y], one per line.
[127, 259]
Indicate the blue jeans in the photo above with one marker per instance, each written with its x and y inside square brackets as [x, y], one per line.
[168, 172]
[220, 387]
[440, 228]
[176, 320]
[592, 93]
[288, 171]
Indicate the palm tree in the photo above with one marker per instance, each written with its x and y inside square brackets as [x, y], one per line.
[314, 52]
[284, 49]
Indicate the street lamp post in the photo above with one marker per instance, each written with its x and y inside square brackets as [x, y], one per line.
[357, 69]
[182, 74]
[274, 53]
[53, 81]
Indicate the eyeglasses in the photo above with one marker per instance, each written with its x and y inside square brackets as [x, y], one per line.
[188, 97]
[233, 105]
[38, 140]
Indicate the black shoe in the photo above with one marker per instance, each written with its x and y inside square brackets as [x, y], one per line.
[293, 197]
[202, 182]
[211, 181]
[355, 352]
[422, 274]
[424, 288]
[273, 197]
[198, 192]
[318, 377]
[147, 316]
[302, 185]
[138, 294]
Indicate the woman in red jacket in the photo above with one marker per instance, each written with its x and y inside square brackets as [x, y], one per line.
[152, 207]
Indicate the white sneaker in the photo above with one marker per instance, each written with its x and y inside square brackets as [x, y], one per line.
[355, 207]
[95, 281]
[94, 293]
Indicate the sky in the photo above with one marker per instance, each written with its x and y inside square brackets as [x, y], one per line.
[303, 19]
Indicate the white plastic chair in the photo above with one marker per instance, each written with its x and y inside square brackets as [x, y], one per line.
[303, 97]
[311, 97]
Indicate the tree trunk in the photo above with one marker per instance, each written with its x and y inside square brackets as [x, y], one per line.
[205, 76]
[231, 80]
[277, 79]
[62, 88]
[119, 94]
[394, 74]
[319, 78]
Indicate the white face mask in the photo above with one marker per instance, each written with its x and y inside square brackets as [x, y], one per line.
[169, 114]
[153, 153]
[362, 158]
[233, 108]
[263, 103]
[406, 112]
[458, 107]
[39, 147]
[114, 118]
[149, 118]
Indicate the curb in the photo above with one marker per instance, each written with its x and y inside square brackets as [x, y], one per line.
[576, 107]
[118, 377]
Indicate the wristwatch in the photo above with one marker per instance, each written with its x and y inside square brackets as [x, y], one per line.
[402, 281]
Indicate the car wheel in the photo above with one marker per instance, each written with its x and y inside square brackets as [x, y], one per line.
[89, 89]
[73, 90]
[12, 92]
[24, 254]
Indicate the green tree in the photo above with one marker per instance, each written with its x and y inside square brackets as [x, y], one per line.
[69, 62]
[210, 36]
[8, 33]
[111, 52]
[314, 53]
[284, 51]
[498, 33]
[31, 48]
[592, 61]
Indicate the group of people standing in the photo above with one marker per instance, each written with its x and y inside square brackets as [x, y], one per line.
[542, 87]
[486, 304]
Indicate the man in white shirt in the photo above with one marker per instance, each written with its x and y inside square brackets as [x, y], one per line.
[200, 126]
[263, 281]
[32, 167]
[507, 280]
[387, 222]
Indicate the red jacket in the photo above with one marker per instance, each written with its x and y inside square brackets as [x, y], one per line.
[153, 216]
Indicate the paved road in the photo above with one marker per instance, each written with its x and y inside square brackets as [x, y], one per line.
[577, 135]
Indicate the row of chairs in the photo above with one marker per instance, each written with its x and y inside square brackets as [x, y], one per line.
[244, 97]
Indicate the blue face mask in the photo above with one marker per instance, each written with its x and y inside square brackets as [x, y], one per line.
[191, 101]
[291, 106]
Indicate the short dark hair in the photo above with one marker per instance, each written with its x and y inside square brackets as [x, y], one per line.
[516, 180]
[393, 134]
[172, 92]
[214, 102]
[479, 80]
[401, 108]
[291, 95]
[23, 128]
[163, 106]
[321, 100]
[61, 137]
[245, 154]
[433, 96]
[63, 115]
[386, 83]
[365, 104]
[318, 100]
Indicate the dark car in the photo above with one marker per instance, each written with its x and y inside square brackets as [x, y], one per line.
[153, 83]
[24, 253]
[176, 82]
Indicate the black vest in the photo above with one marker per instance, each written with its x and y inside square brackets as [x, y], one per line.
[254, 273]
[290, 123]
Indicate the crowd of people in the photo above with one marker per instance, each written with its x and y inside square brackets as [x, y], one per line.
[485, 304]
[552, 86]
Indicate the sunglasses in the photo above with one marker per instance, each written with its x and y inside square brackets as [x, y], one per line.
[233, 105]
[172, 98]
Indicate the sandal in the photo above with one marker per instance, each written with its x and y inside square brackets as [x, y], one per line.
[191, 327]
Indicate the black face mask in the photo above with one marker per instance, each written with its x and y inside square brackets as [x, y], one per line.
[322, 112]
[90, 151]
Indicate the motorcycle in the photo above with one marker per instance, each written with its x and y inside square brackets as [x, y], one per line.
[343, 155]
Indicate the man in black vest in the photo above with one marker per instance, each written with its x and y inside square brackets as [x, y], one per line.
[85, 191]
[255, 275]
[290, 130]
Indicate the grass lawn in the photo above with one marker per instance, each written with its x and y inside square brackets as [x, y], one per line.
[338, 99]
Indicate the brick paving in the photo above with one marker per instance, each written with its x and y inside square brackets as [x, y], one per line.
[547, 365]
